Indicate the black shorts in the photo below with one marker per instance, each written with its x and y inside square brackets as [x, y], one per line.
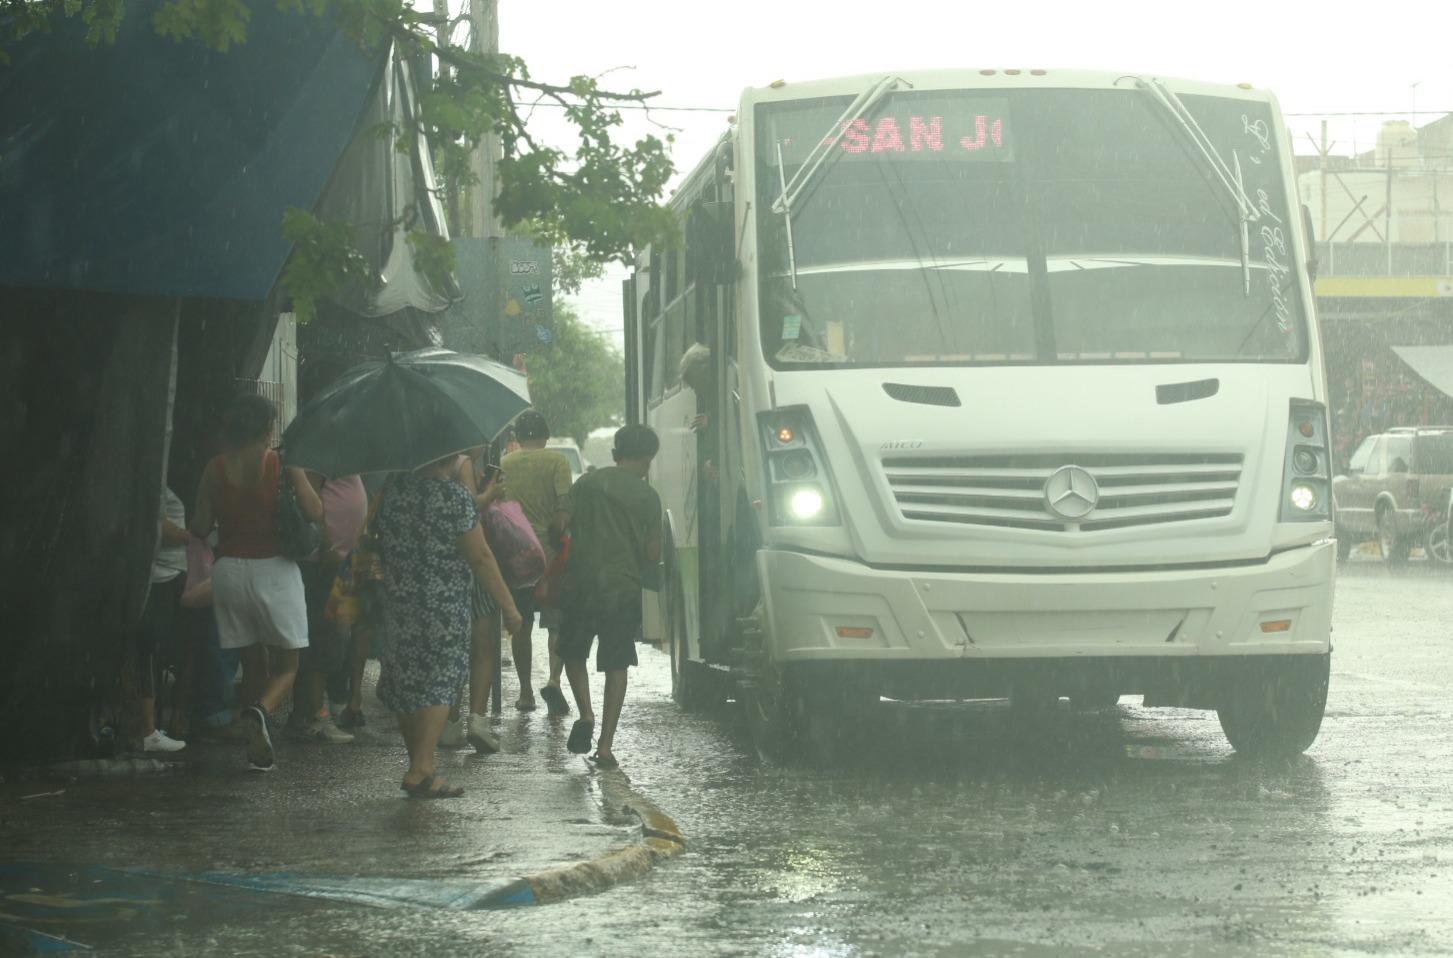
[328, 643]
[528, 605]
[617, 630]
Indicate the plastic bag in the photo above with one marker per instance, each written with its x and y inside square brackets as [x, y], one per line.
[547, 591]
[518, 551]
[197, 591]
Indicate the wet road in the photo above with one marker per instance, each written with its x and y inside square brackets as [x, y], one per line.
[951, 831]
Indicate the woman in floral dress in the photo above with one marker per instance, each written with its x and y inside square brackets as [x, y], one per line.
[431, 545]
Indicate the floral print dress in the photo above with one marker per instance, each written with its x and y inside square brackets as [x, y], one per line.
[425, 656]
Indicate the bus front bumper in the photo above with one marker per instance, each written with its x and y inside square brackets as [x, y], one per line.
[821, 608]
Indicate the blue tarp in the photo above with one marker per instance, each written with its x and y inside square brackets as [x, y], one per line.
[163, 168]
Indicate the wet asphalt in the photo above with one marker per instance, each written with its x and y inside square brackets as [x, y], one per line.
[950, 830]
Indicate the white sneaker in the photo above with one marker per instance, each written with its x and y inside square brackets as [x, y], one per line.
[160, 741]
[325, 730]
[484, 741]
[453, 734]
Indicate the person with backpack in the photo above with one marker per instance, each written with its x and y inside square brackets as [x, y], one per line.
[615, 545]
[539, 480]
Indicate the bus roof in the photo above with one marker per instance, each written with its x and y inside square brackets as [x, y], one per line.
[991, 80]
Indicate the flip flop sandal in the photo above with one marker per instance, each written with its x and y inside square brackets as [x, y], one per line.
[554, 700]
[580, 735]
[525, 705]
[425, 789]
[604, 762]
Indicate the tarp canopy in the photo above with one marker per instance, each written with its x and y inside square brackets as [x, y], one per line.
[155, 167]
[1433, 363]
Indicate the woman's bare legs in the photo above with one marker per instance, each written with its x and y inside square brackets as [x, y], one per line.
[421, 730]
[283, 669]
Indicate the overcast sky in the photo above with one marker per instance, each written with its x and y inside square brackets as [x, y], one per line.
[1317, 58]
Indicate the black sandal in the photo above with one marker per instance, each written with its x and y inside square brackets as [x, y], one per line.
[554, 700]
[425, 789]
[604, 762]
[580, 735]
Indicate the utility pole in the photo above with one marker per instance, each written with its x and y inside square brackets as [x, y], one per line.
[451, 188]
[484, 18]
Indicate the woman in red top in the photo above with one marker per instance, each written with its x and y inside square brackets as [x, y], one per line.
[257, 593]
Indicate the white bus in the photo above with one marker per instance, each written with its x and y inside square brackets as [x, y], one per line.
[1014, 389]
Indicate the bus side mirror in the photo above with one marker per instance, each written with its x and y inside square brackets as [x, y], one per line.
[1311, 234]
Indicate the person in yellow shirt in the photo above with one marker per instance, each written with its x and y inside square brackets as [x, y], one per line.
[539, 480]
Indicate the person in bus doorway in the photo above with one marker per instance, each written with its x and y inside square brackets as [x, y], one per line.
[539, 480]
[615, 544]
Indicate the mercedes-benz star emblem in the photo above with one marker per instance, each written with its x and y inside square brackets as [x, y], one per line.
[1071, 493]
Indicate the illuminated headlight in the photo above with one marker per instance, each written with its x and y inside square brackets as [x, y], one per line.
[1304, 497]
[805, 504]
[1306, 479]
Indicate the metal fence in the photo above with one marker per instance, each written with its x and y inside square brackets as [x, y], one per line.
[1385, 259]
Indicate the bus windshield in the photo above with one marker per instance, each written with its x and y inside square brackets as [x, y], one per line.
[1033, 226]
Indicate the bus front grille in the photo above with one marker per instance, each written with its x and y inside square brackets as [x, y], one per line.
[1010, 491]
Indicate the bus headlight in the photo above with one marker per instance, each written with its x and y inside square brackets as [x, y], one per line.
[799, 482]
[1304, 497]
[1306, 483]
[806, 503]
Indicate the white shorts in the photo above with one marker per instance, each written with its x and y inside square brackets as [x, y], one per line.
[259, 601]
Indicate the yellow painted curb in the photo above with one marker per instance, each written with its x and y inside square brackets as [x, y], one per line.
[661, 839]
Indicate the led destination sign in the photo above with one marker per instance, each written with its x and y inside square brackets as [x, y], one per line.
[920, 134]
[917, 126]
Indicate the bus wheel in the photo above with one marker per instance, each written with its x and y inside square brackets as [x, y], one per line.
[688, 678]
[1394, 547]
[1031, 700]
[1095, 698]
[1274, 707]
[773, 714]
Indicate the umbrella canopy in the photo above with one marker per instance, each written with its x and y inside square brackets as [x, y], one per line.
[405, 412]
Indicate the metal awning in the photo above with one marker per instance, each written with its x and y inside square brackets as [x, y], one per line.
[1433, 363]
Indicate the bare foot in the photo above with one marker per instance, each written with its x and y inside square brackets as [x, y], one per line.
[526, 703]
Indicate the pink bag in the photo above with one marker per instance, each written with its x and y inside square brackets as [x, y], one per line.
[197, 592]
[514, 544]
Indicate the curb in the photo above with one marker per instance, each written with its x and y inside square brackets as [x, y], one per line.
[661, 839]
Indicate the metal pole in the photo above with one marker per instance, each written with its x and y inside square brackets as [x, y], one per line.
[441, 37]
[496, 681]
[484, 17]
[1387, 213]
[1323, 151]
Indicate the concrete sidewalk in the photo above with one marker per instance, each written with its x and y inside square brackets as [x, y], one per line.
[536, 823]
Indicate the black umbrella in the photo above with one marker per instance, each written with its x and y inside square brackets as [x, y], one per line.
[405, 412]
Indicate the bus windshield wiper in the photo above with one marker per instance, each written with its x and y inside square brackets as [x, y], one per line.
[1229, 177]
[792, 189]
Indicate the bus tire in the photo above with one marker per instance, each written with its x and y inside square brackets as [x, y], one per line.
[1344, 544]
[1274, 708]
[1095, 698]
[688, 679]
[773, 714]
[1394, 547]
